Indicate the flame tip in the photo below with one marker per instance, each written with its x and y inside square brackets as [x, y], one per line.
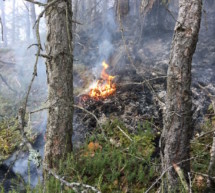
[104, 87]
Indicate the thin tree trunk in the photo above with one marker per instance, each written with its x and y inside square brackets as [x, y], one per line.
[28, 23]
[123, 7]
[211, 168]
[4, 23]
[33, 20]
[75, 15]
[60, 82]
[14, 22]
[178, 127]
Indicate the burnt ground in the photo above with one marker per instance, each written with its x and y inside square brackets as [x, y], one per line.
[134, 102]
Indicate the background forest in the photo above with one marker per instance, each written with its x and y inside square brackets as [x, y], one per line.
[85, 96]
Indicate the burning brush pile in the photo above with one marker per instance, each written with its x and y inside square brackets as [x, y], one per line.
[123, 96]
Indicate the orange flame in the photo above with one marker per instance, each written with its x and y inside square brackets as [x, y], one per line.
[103, 87]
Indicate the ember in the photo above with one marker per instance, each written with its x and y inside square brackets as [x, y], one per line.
[103, 87]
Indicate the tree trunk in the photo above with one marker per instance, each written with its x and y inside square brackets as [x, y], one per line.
[211, 168]
[122, 7]
[178, 127]
[28, 23]
[60, 82]
[33, 20]
[3, 23]
[14, 22]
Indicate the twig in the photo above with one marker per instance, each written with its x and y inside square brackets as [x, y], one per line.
[124, 133]
[74, 21]
[190, 182]
[205, 175]
[36, 2]
[38, 110]
[143, 82]
[83, 109]
[45, 56]
[164, 172]
[32, 45]
[181, 176]
[73, 185]
[209, 132]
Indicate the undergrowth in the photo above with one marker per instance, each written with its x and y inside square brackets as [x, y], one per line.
[118, 162]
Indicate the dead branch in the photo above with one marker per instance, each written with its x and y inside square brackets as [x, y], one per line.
[205, 175]
[169, 168]
[181, 176]
[45, 56]
[77, 22]
[36, 2]
[38, 110]
[74, 185]
[204, 134]
[190, 182]
[140, 83]
[85, 110]
[32, 45]
[124, 133]
[37, 23]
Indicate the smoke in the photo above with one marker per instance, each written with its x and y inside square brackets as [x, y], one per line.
[104, 39]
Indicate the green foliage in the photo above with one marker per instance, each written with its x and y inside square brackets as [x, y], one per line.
[110, 167]
[200, 148]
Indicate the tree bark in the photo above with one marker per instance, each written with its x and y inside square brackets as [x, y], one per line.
[178, 127]
[60, 82]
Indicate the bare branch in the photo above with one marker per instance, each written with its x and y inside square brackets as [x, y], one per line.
[124, 133]
[169, 168]
[74, 185]
[181, 176]
[74, 21]
[36, 2]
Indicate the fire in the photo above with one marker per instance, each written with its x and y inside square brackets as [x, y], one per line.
[103, 87]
